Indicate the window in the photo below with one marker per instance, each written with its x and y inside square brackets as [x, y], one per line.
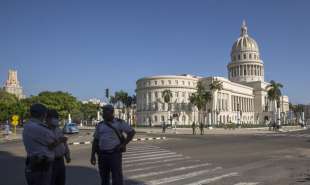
[155, 118]
[155, 82]
[189, 83]
[254, 56]
[162, 82]
[250, 56]
[238, 57]
[183, 82]
[244, 56]
[169, 81]
[176, 82]
[156, 94]
[162, 118]
[177, 94]
[183, 94]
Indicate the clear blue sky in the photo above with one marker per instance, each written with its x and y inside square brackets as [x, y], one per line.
[84, 47]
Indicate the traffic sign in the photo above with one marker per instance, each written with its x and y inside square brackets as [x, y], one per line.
[15, 120]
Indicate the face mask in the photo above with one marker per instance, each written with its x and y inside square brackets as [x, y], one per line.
[55, 122]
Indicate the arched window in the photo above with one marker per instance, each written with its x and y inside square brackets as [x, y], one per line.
[155, 118]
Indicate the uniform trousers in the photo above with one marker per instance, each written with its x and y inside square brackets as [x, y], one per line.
[111, 163]
[59, 172]
[38, 176]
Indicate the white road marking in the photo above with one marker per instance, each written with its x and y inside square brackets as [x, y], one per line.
[247, 183]
[152, 158]
[212, 179]
[144, 153]
[169, 171]
[142, 147]
[181, 177]
[156, 162]
[148, 156]
[157, 166]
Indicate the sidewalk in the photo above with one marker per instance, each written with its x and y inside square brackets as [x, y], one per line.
[9, 138]
[220, 131]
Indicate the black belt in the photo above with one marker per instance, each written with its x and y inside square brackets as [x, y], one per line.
[105, 152]
[59, 158]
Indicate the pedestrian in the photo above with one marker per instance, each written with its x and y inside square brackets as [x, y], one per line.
[194, 128]
[201, 127]
[39, 142]
[61, 151]
[164, 127]
[109, 143]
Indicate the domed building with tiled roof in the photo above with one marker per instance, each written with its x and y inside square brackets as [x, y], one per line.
[242, 100]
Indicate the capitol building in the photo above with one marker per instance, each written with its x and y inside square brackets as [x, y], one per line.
[242, 99]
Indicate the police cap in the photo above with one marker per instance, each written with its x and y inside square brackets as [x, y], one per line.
[38, 110]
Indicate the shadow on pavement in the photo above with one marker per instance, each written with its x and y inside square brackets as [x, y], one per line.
[12, 172]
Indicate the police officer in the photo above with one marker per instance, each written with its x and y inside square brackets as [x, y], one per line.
[61, 151]
[109, 143]
[39, 142]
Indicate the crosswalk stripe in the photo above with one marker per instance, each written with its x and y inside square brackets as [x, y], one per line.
[141, 147]
[148, 156]
[157, 166]
[152, 158]
[212, 179]
[247, 183]
[169, 171]
[156, 162]
[181, 177]
[144, 153]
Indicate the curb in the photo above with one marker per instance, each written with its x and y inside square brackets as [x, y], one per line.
[136, 139]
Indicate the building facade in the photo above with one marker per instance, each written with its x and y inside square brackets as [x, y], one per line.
[12, 85]
[243, 98]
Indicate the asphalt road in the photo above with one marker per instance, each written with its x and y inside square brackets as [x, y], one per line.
[261, 159]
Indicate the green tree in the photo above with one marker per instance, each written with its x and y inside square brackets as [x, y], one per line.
[8, 103]
[200, 99]
[89, 111]
[63, 102]
[274, 93]
[215, 86]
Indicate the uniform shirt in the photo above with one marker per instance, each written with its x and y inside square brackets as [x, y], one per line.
[36, 137]
[106, 136]
[61, 149]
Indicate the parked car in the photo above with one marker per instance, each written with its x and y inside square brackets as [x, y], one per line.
[70, 128]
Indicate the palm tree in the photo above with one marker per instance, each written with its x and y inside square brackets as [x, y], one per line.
[200, 99]
[167, 96]
[215, 86]
[274, 93]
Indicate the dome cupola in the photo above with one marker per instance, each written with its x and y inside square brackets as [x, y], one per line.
[245, 65]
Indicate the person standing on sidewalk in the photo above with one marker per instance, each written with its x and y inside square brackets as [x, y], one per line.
[194, 128]
[61, 151]
[163, 127]
[39, 142]
[109, 143]
[201, 127]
